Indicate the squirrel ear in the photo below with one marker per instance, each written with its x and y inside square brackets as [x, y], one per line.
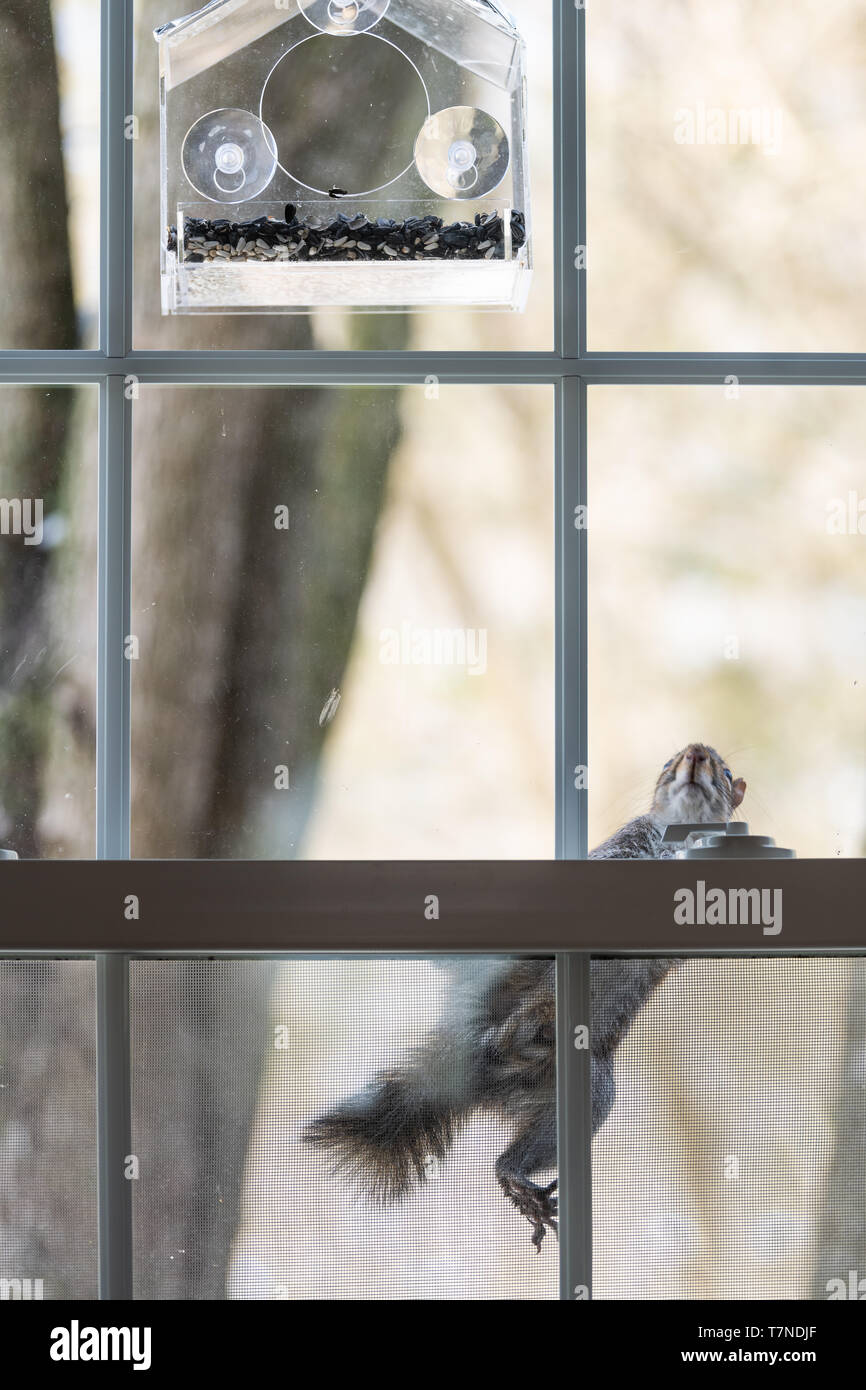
[738, 791]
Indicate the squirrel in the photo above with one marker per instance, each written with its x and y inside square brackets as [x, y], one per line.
[494, 1047]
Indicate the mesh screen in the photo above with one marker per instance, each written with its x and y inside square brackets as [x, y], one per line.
[225, 1050]
[48, 1213]
[733, 1163]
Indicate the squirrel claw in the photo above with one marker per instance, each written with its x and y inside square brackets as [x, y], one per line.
[537, 1204]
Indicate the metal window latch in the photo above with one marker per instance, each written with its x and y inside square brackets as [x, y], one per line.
[719, 841]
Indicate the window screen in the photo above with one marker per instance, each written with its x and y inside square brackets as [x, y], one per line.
[733, 1164]
[224, 1050]
[48, 1217]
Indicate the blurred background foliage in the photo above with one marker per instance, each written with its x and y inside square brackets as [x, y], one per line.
[730, 246]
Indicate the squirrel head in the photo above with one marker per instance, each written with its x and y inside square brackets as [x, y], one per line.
[696, 785]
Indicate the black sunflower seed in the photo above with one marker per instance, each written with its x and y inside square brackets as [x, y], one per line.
[348, 238]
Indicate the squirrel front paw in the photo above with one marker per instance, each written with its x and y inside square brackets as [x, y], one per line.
[537, 1204]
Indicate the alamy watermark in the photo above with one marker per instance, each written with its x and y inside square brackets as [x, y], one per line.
[77, 1343]
[718, 125]
[22, 516]
[22, 1290]
[846, 516]
[738, 907]
[410, 645]
[852, 1289]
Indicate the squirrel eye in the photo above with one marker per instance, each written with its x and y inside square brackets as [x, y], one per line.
[667, 764]
[729, 775]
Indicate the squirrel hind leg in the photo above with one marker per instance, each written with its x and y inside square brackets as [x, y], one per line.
[533, 1150]
[537, 1204]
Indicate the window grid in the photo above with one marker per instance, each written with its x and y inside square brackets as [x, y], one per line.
[569, 368]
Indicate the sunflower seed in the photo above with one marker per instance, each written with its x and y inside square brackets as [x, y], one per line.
[266, 239]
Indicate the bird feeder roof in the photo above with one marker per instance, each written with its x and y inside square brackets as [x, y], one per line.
[195, 42]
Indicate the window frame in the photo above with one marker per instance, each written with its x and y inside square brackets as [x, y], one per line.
[117, 368]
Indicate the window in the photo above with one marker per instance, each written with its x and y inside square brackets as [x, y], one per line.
[377, 548]
[410, 604]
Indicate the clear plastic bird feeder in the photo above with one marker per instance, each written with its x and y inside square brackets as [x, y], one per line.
[368, 154]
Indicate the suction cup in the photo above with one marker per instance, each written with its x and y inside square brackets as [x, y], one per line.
[462, 152]
[229, 156]
[343, 16]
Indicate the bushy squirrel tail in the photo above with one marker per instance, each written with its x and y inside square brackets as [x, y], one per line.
[384, 1138]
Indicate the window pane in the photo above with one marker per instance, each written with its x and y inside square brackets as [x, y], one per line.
[233, 1061]
[727, 601]
[726, 187]
[49, 174]
[48, 618]
[344, 601]
[48, 1217]
[269, 63]
[732, 1162]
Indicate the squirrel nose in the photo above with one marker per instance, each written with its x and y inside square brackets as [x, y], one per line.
[696, 755]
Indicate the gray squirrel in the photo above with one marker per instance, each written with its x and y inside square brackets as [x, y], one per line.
[494, 1047]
